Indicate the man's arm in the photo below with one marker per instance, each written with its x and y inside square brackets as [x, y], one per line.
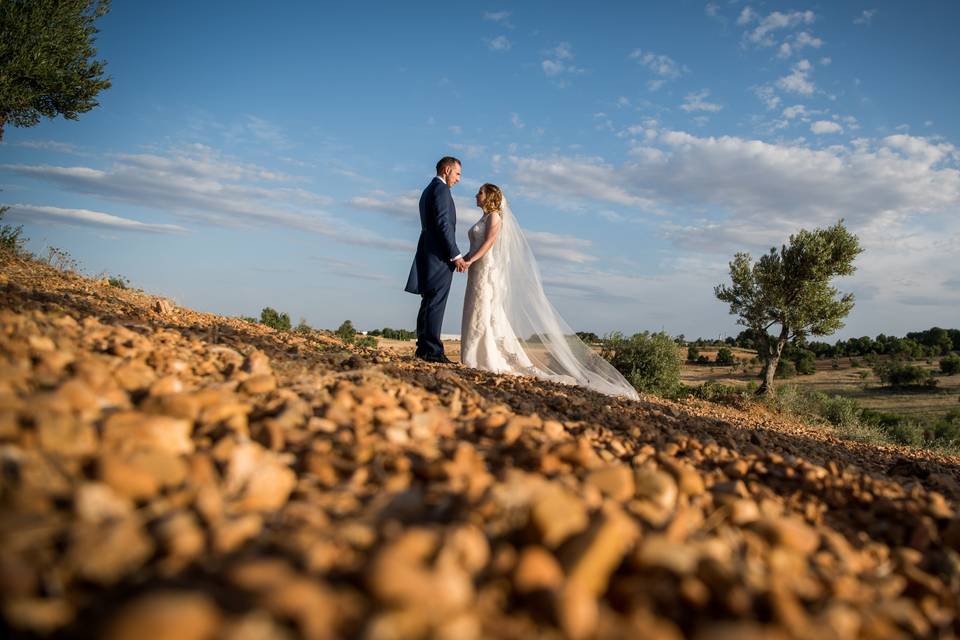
[446, 215]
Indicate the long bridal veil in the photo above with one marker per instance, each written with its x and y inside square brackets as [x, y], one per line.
[552, 347]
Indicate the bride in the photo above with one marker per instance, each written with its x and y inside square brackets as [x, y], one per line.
[509, 326]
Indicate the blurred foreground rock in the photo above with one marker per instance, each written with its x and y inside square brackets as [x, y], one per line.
[171, 474]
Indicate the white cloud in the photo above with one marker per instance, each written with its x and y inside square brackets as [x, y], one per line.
[768, 96]
[762, 34]
[496, 16]
[86, 218]
[798, 81]
[558, 64]
[267, 132]
[404, 207]
[796, 111]
[48, 145]
[516, 121]
[826, 61]
[661, 65]
[865, 17]
[796, 43]
[698, 102]
[747, 15]
[821, 127]
[712, 10]
[196, 183]
[552, 246]
[500, 43]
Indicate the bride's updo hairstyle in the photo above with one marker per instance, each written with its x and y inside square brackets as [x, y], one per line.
[492, 198]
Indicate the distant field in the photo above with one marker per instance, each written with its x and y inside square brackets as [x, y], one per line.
[845, 381]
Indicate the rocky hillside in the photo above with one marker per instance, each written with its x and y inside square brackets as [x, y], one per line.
[174, 474]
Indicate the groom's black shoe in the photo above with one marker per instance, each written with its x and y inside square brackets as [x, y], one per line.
[438, 359]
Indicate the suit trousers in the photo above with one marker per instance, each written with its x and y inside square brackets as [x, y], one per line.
[430, 320]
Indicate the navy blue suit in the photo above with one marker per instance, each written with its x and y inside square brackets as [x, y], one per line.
[432, 270]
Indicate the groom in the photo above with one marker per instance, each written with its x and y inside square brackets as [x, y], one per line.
[437, 256]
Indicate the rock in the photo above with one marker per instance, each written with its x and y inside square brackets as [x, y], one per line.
[576, 611]
[167, 615]
[38, 615]
[557, 514]
[261, 383]
[96, 502]
[308, 602]
[127, 431]
[257, 363]
[790, 532]
[163, 307]
[658, 551]
[595, 555]
[229, 535]
[537, 570]
[257, 479]
[104, 553]
[66, 436]
[615, 481]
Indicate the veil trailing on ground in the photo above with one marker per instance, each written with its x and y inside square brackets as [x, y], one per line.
[552, 348]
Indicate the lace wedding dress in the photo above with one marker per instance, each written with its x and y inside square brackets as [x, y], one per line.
[509, 326]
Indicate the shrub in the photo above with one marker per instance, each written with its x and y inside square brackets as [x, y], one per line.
[786, 369]
[346, 331]
[950, 365]
[692, 353]
[854, 363]
[369, 342]
[713, 391]
[805, 362]
[12, 239]
[271, 318]
[303, 327]
[899, 374]
[649, 361]
[119, 282]
[725, 357]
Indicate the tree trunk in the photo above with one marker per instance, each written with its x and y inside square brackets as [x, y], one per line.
[771, 350]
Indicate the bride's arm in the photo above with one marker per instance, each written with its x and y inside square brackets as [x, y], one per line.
[493, 230]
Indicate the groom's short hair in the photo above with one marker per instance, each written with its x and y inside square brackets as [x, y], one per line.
[445, 162]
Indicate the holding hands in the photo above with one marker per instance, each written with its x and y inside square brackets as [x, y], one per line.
[461, 265]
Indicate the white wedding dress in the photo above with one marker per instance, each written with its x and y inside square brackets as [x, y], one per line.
[509, 326]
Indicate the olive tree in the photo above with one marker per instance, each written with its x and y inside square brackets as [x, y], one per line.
[47, 64]
[788, 291]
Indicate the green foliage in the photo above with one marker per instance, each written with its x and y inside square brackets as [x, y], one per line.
[786, 369]
[248, 319]
[692, 353]
[303, 327]
[47, 65]
[806, 362]
[368, 342]
[393, 334]
[728, 394]
[272, 318]
[12, 239]
[898, 374]
[790, 289]
[725, 357]
[119, 282]
[345, 331]
[950, 365]
[649, 361]
[587, 336]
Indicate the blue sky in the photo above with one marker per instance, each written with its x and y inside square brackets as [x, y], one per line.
[249, 156]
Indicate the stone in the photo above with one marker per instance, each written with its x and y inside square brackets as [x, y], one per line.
[791, 532]
[577, 612]
[658, 551]
[96, 502]
[595, 555]
[66, 436]
[615, 482]
[261, 383]
[127, 431]
[167, 615]
[163, 307]
[105, 552]
[257, 479]
[38, 615]
[537, 570]
[557, 514]
[229, 535]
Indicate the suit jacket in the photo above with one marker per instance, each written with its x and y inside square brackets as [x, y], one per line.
[432, 267]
